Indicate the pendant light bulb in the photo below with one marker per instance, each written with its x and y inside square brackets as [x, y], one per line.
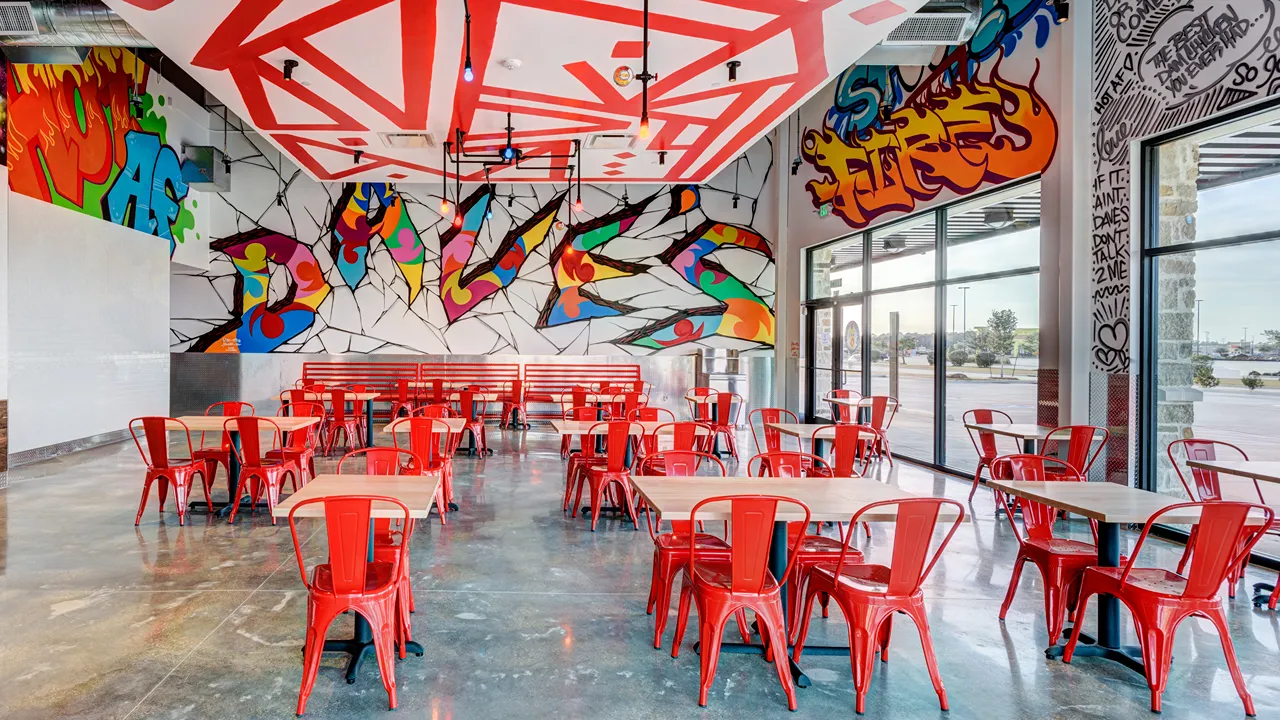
[644, 126]
[457, 220]
[444, 207]
[467, 73]
[577, 204]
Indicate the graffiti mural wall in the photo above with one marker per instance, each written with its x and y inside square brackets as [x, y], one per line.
[100, 138]
[300, 266]
[888, 140]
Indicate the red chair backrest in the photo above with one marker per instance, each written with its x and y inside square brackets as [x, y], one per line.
[750, 536]
[728, 406]
[843, 413]
[347, 527]
[302, 439]
[844, 448]
[785, 463]
[1207, 484]
[250, 428]
[433, 411]
[383, 460]
[429, 439]
[984, 441]
[403, 391]
[295, 396]
[515, 391]
[772, 438]
[471, 403]
[684, 433]
[1037, 518]
[912, 534]
[680, 463]
[701, 410]
[617, 437]
[1080, 439]
[338, 405]
[1225, 535]
[226, 408]
[155, 429]
[651, 414]
[881, 410]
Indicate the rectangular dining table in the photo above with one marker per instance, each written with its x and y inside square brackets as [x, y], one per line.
[802, 431]
[1258, 470]
[1028, 434]
[829, 500]
[1111, 505]
[417, 492]
[215, 424]
[366, 397]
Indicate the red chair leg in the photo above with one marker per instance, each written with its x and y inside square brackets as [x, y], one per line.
[1156, 637]
[711, 631]
[770, 619]
[682, 616]
[1186, 551]
[864, 639]
[1228, 649]
[920, 617]
[318, 620]
[142, 506]
[977, 479]
[1014, 578]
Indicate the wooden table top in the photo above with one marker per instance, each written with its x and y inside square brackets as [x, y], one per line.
[1101, 501]
[402, 426]
[361, 397]
[591, 397]
[804, 430]
[415, 491]
[214, 423]
[580, 427]
[1264, 470]
[1022, 431]
[829, 499]
[851, 402]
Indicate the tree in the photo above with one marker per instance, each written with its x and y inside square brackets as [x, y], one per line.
[1272, 342]
[906, 344]
[1253, 380]
[958, 356]
[1202, 368]
[1002, 326]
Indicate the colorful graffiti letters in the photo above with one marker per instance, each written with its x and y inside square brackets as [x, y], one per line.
[148, 192]
[574, 264]
[365, 210]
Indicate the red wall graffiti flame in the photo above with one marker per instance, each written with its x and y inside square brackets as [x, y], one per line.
[955, 138]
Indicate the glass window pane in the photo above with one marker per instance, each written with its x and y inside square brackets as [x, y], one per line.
[823, 358]
[994, 234]
[1214, 185]
[851, 348]
[909, 377]
[1000, 318]
[904, 253]
[836, 269]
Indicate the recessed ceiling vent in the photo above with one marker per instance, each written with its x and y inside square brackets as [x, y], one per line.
[942, 22]
[16, 18]
[611, 141]
[408, 141]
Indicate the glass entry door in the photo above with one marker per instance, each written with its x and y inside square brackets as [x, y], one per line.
[849, 372]
[837, 334]
[825, 352]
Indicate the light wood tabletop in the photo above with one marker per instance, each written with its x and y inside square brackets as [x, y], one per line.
[851, 402]
[1264, 470]
[401, 425]
[359, 397]
[591, 397]
[1021, 431]
[826, 431]
[214, 423]
[415, 491]
[581, 427]
[829, 499]
[1101, 501]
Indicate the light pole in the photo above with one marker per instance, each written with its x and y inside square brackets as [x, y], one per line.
[1246, 337]
[1198, 304]
[964, 314]
[953, 317]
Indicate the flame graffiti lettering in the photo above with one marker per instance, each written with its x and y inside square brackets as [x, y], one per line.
[958, 138]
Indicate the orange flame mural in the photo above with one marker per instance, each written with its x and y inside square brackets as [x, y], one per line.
[954, 138]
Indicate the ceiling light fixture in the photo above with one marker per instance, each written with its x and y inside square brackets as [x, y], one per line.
[289, 65]
[444, 182]
[488, 208]
[662, 157]
[645, 77]
[578, 164]
[457, 193]
[511, 199]
[997, 218]
[1061, 10]
[356, 155]
[736, 164]
[733, 66]
[468, 73]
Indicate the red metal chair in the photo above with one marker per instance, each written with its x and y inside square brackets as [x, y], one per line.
[1084, 444]
[647, 444]
[671, 549]
[1160, 600]
[221, 453]
[586, 453]
[435, 410]
[350, 581]
[264, 478]
[577, 398]
[700, 411]
[984, 442]
[471, 406]
[613, 473]
[406, 399]
[869, 594]
[513, 404]
[1061, 561]
[1205, 486]
[358, 407]
[723, 588]
[301, 444]
[387, 540]
[623, 402]
[432, 445]
[847, 447]
[169, 471]
[772, 438]
[841, 412]
[339, 420]
[880, 410]
[728, 406]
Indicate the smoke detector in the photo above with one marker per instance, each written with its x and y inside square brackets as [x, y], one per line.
[512, 63]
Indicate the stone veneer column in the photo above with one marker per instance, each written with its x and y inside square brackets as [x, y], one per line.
[1176, 393]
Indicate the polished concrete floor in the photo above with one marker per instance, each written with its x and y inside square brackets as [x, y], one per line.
[523, 612]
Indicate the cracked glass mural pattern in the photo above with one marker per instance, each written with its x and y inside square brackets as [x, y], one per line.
[300, 266]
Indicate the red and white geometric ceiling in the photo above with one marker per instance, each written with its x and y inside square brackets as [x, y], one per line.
[370, 67]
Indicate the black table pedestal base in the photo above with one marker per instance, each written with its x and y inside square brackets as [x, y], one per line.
[1262, 594]
[1129, 656]
[222, 509]
[360, 650]
[797, 674]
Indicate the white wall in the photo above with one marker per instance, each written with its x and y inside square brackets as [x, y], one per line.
[88, 325]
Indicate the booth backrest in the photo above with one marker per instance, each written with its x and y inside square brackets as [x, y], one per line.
[381, 377]
[543, 382]
[495, 377]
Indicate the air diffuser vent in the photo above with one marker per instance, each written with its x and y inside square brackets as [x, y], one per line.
[408, 141]
[606, 141]
[16, 19]
[939, 22]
